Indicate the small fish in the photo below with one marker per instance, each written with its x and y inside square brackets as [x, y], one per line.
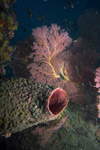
[66, 19]
[77, 70]
[70, 4]
[90, 83]
[96, 13]
[71, 129]
[76, 67]
[29, 12]
[69, 25]
[21, 22]
[24, 29]
[43, 17]
[75, 41]
[37, 16]
[83, 84]
[62, 77]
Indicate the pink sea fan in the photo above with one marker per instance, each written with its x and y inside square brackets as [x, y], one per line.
[97, 80]
[50, 41]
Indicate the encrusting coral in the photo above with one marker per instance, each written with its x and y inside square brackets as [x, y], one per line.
[8, 25]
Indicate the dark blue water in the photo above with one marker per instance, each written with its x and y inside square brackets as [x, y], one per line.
[52, 11]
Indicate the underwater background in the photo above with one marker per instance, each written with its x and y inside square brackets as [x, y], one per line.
[49, 45]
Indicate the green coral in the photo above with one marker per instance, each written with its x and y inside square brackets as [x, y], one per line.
[7, 26]
[3, 15]
[12, 27]
[1, 25]
[6, 42]
[15, 27]
[1, 36]
[10, 48]
[10, 20]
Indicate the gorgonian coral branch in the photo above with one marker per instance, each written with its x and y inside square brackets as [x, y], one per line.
[49, 42]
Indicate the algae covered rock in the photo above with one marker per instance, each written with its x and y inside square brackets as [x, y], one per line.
[24, 103]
